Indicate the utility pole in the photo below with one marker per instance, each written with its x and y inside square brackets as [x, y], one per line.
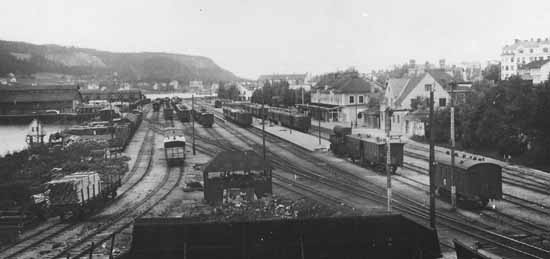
[302, 95]
[319, 126]
[453, 186]
[263, 122]
[356, 101]
[193, 121]
[432, 158]
[388, 157]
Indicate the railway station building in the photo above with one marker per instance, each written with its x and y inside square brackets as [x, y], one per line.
[130, 95]
[29, 99]
[411, 95]
[348, 99]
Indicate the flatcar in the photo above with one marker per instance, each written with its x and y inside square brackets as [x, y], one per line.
[366, 150]
[477, 181]
[238, 116]
[174, 146]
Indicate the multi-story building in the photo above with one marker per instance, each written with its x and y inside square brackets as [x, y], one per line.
[522, 52]
[295, 81]
[345, 100]
[537, 71]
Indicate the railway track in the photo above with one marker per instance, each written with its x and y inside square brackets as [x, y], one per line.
[143, 161]
[414, 208]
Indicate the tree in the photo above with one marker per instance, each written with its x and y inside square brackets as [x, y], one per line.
[492, 72]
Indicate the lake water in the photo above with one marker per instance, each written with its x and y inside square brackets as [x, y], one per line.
[12, 137]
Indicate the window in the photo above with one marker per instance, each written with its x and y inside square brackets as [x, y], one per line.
[442, 102]
[506, 68]
[361, 100]
[512, 59]
[397, 118]
[545, 50]
[521, 51]
[359, 115]
[530, 50]
[427, 87]
[351, 99]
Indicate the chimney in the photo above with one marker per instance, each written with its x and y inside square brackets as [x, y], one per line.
[516, 41]
[538, 39]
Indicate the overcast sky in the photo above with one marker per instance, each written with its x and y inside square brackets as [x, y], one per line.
[255, 37]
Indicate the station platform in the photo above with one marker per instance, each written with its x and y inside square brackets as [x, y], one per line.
[301, 139]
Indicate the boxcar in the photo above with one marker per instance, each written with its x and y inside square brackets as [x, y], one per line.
[477, 181]
[168, 112]
[237, 116]
[217, 104]
[371, 151]
[204, 118]
[156, 106]
[183, 112]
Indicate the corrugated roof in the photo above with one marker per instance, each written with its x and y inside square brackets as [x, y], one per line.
[236, 161]
[535, 64]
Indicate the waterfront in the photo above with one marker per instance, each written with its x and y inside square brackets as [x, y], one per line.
[12, 137]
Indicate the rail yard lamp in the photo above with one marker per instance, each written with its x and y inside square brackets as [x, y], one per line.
[193, 121]
[432, 158]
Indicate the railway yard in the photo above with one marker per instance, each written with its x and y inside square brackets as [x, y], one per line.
[301, 180]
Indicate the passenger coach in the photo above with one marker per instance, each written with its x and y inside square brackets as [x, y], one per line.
[174, 146]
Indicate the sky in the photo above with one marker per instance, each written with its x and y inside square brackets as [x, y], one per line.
[254, 37]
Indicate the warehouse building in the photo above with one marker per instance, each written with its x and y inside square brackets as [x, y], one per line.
[29, 99]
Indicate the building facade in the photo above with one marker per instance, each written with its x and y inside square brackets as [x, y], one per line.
[295, 81]
[522, 52]
[19, 100]
[409, 95]
[537, 71]
[131, 95]
[345, 100]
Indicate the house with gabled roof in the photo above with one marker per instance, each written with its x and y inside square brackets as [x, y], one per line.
[344, 99]
[538, 71]
[404, 93]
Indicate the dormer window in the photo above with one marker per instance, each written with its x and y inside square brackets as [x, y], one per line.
[352, 99]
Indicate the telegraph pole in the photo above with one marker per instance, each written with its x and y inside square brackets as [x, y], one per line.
[193, 121]
[263, 122]
[453, 186]
[319, 126]
[432, 158]
[356, 101]
[388, 156]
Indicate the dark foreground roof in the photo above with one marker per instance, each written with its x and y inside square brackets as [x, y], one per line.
[235, 160]
[26, 94]
[375, 236]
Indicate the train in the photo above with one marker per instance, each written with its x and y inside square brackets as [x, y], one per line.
[168, 111]
[237, 116]
[366, 150]
[183, 112]
[203, 117]
[477, 181]
[174, 146]
[156, 105]
[284, 117]
[80, 193]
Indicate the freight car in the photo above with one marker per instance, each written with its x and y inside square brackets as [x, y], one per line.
[174, 146]
[477, 181]
[217, 104]
[255, 109]
[286, 118]
[182, 112]
[238, 116]
[80, 193]
[204, 118]
[156, 106]
[366, 150]
[168, 111]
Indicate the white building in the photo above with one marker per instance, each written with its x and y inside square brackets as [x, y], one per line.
[345, 100]
[400, 93]
[538, 71]
[295, 81]
[522, 52]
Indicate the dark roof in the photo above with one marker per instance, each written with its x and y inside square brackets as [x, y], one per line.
[535, 64]
[236, 161]
[283, 77]
[407, 89]
[441, 77]
[14, 94]
[461, 162]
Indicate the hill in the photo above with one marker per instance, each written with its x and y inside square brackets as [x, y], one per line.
[25, 59]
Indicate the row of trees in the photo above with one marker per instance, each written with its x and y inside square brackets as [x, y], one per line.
[228, 91]
[280, 94]
[510, 118]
